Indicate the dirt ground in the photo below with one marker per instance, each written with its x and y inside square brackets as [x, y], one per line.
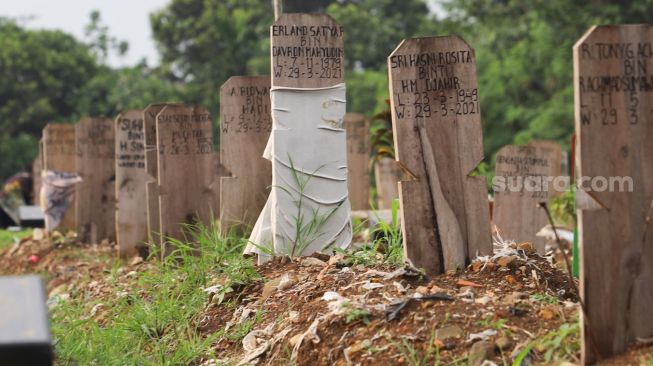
[321, 310]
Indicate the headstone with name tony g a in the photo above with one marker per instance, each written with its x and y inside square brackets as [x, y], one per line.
[613, 82]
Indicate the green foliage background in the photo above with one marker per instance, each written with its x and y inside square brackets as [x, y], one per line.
[523, 50]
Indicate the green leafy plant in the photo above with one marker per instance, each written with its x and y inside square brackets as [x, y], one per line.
[563, 208]
[354, 313]
[561, 344]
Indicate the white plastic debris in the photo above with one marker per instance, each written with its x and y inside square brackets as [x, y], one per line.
[481, 336]
[308, 208]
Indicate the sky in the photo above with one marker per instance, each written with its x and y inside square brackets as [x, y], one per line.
[127, 20]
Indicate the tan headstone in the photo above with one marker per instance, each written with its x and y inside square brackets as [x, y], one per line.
[307, 51]
[358, 160]
[245, 126]
[186, 170]
[527, 176]
[131, 178]
[95, 195]
[59, 155]
[387, 175]
[438, 139]
[614, 128]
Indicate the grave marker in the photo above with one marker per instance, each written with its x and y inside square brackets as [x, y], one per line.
[358, 160]
[37, 166]
[95, 194]
[59, 155]
[387, 174]
[524, 172]
[131, 177]
[152, 185]
[437, 132]
[245, 127]
[308, 142]
[186, 170]
[614, 128]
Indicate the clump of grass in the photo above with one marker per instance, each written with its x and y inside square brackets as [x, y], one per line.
[354, 313]
[418, 357]
[560, 344]
[156, 323]
[8, 238]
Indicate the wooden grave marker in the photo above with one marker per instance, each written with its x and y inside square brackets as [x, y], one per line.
[358, 160]
[613, 84]
[151, 164]
[526, 174]
[438, 139]
[186, 170]
[131, 178]
[245, 127]
[95, 195]
[308, 138]
[37, 167]
[59, 155]
[387, 175]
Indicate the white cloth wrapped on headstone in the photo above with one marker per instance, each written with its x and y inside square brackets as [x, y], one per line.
[57, 189]
[308, 208]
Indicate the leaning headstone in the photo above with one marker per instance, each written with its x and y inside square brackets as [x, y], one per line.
[308, 208]
[24, 329]
[386, 175]
[131, 178]
[59, 156]
[245, 126]
[614, 128]
[437, 132]
[524, 177]
[358, 160]
[186, 170]
[95, 194]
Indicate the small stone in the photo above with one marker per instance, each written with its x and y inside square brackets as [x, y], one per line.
[449, 332]
[506, 261]
[526, 246]
[313, 262]
[503, 343]
[480, 352]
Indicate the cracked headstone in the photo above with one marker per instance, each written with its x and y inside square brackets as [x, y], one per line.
[438, 141]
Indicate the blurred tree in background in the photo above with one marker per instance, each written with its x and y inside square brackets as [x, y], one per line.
[523, 50]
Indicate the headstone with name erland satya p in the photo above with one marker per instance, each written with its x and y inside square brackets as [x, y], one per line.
[95, 194]
[308, 208]
[613, 82]
[526, 176]
[438, 140]
[358, 160]
[59, 155]
[186, 170]
[245, 125]
[131, 178]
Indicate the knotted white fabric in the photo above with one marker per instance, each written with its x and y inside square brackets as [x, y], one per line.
[308, 208]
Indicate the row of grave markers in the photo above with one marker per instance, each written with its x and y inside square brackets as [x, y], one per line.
[435, 105]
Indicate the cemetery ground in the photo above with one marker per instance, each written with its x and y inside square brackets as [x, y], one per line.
[363, 307]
